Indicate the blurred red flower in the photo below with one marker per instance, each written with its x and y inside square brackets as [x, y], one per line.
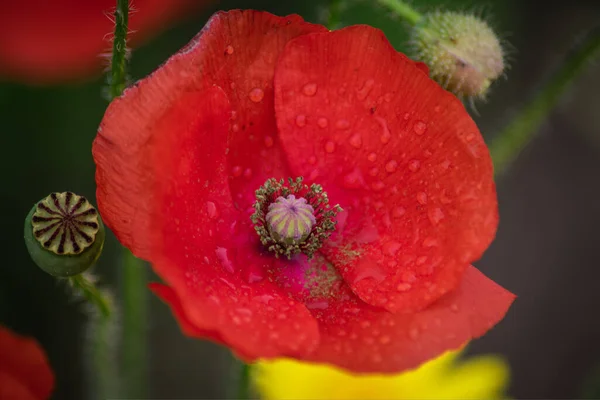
[24, 370]
[53, 41]
[254, 96]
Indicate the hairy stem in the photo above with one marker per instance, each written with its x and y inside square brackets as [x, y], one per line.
[118, 68]
[84, 284]
[403, 10]
[134, 294]
[334, 17]
[244, 382]
[100, 355]
[132, 271]
[519, 132]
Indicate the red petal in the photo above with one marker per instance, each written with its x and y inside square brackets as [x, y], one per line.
[236, 51]
[48, 41]
[13, 388]
[361, 338]
[135, 169]
[24, 369]
[423, 67]
[194, 248]
[169, 296]
[256, 320]
[400, 155]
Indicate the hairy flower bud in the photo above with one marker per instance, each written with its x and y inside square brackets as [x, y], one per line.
[462, 51]
[64, 234]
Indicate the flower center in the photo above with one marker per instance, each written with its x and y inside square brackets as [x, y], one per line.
[290, 220]
[293, 218]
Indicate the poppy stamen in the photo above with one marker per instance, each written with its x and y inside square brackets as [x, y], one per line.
[293, 218]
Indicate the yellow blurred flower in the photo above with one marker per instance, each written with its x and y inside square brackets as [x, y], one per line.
[447, 377]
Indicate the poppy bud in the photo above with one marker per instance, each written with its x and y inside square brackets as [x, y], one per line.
[64, 234]
[462, 51]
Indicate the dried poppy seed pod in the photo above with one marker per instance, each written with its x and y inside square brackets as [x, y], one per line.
[462, 51]
[64, 234]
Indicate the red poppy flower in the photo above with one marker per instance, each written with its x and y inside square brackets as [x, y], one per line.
[24, 370]
[47, 41]
[185, 166]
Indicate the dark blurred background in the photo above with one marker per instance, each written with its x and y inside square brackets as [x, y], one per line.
[546, 249]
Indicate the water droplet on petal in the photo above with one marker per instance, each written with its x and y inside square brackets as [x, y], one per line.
[414, 165]
[322, 122]
[454, 307]
[211, 209]
[374, 171]
[397, 212]
[422, 198]
[247, 173]
[229, 50]
[430, 242]
[435, 215]
[256, 95]
[420, 127]
[254, 277]
[372, 157]
[273, 335]
[391, 166]
[329, 146]
[221, 253]
[413, 333]
[310, 89]
[265, 298]
[342, 124]
[236, 171]
[377, 186]
[317, 305]
[301, 121]
[356, 141]
[403, 287]
[385, 135]
[385, 339]
[269, 141]
[391, 248]
[364, 91]
[235, 128]
[354, 179]
[444, 197]
[312, 160]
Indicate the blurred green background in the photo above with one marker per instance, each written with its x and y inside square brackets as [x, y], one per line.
[545, 252]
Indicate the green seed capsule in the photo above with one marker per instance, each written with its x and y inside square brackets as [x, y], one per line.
[462, 51]
[64, 234]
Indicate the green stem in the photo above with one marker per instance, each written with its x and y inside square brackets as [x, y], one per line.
[133, 272]
[119, 52]
[519, 132]
[101, 332]
[402, 9]
[335, 11]
[86, 285]
[244, 382]
[134, 293]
